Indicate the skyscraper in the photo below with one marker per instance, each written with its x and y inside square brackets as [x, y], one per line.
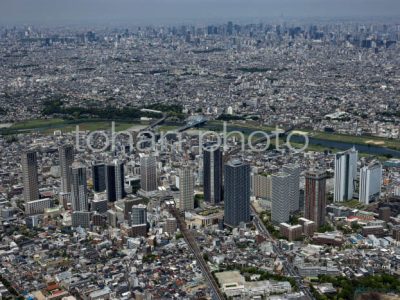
[237, 193]
[148, 173]
[281, 205]
[315, 197]
[115, 181]
[345, 174]
[370, 182]
[229, 28]
[212, 170]
[79, 188]
[186, 188]
[66, 155]
[99, 177]
[30, 176]
[294, 186]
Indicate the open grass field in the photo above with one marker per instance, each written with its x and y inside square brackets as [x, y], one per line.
[361, 140]
[320, 148]
[237, 125]
[166, 128]
[91, 126]
[39, 123]
[48, 126]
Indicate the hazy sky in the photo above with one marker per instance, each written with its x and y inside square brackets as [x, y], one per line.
[161, 11]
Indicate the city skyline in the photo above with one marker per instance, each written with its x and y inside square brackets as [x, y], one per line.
[199, 150]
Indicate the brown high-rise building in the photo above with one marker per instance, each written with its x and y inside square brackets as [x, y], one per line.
[30, 176]
[315, 196]
[396, 233]
[384, 214]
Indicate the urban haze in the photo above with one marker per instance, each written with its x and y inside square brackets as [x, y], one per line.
[171, 149]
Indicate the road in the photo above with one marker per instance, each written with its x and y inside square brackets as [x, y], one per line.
[157, 122]
[288, 266]
[190, 240]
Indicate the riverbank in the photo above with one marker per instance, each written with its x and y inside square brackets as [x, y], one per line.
[321, 141]
[48, 126]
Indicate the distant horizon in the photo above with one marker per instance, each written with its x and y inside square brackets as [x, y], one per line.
[289, 20]
[199, 23]
[167, 12]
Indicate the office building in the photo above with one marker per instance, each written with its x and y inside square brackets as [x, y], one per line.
[186, 188]
[139, 214]
[315, 196]
[377, 230]
[212, 172]
[66, 155]
[79, 196]
[237, 193]
[32, 221]
[99, 219]
[385, 213]
[81, 219]
[138, 230]
[370, 183]
[302, 200]
[99, 204]
[65, 199]
[128, 204]
[281, 207]
[148, 174]
[294, 185]
[396, 233]
[112, 218]
[115, 181]
[171, 226]
[99, 177]
[345, 174]
[30, 176]
[7, 213]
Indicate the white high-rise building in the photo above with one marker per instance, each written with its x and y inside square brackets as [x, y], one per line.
[281, 205]
[186, 188]
[36, 207]
[345, 174]
[261, 186]
[370, 182]
[294, 186]
[79, 188]
[148, 173]
[30, 176]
